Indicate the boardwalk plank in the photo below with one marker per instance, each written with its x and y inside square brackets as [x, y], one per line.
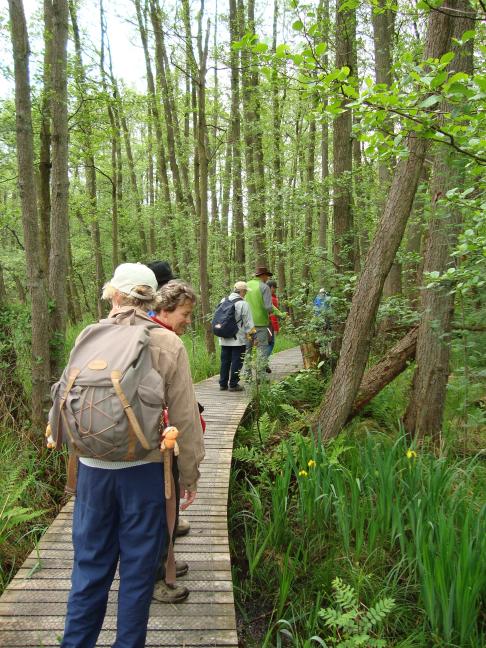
[32, 608]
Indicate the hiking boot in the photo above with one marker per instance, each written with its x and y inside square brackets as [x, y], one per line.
[223, 388]
[183, 527]
[236, 388]
[164, 593]
[181, 568]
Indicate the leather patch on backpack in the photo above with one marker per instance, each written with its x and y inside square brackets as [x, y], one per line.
[98, 365]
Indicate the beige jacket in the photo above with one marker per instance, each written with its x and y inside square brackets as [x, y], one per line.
[169, 358]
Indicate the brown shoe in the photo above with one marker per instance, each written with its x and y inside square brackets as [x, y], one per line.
[181, 568]
[183, 527]
[164, 593]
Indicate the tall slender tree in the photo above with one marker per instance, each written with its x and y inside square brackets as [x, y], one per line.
[44, 194]
[383, 20]
[58, 255]
[235, 132]
[343, 242]
[425, 411]
[25, 160]
[89, 158]
[358, 331]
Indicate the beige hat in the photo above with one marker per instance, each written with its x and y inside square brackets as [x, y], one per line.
[129, 275]
[241, 285]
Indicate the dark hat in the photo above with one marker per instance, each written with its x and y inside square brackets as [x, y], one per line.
[261, 270]
[162, 271]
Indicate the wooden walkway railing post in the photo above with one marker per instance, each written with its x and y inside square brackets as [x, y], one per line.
[32, 608]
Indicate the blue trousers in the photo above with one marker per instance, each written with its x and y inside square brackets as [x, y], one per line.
[231, 362]
[119, 515]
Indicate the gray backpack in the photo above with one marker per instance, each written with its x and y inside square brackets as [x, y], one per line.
[109, 400]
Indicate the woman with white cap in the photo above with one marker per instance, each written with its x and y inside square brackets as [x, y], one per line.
[119, 513]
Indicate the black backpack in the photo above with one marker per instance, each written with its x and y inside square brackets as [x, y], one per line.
[224, 322]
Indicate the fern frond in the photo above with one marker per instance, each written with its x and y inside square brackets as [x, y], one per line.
[292, 412]
[376, 614]
[248, 455]
[345, 594]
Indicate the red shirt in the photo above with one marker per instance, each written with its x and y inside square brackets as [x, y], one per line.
[273, 318]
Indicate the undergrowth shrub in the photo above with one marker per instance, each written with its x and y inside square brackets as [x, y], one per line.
[386, 518]
[31, 489]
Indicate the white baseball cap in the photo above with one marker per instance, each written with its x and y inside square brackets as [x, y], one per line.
[129, 275]
[241, 285]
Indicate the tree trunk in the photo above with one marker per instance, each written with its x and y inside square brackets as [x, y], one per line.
[323, 15]
[385, 370]
[425, 411]
[414, 236]
[383, 28]
[251, 130]
[344, 386]
[89, 162]
[134, 184]
[25, 160]
[115, 138]
[169, 114]
[167, 210]
[237, 202]
[278, 216]
[58, 256]
[202, 132]
[44, 196]
[343, 243]
[150, 185]
[309, 206]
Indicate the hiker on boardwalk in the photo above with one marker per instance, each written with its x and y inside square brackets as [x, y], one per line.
[119, 511]
[173, 313]
[259, 298]
[233, 347]
[274, 323]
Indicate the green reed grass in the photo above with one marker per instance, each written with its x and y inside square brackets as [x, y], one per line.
[411, 519]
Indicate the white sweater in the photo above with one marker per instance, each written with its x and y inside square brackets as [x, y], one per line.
[243, 319]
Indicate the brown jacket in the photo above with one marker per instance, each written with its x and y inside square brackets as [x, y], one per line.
[169, 358]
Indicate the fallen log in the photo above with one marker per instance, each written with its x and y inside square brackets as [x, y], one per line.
[383, 372]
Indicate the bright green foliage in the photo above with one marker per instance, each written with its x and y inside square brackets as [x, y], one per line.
[353, 625]
[11, 514]
[392, 521]
[24, 498]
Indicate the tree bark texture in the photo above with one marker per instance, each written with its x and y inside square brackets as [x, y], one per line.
[89, 162]
[343, 242]
[235, 130]
[58, 255]
[278, 217]
[358, 331]
[383, 27]
[395, 361]
[252, 137]
[425, 411]
[202, 133]
[25, 160]
[310, 197]
[44, 195]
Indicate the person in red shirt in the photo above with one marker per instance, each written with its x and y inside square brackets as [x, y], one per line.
[274, 323]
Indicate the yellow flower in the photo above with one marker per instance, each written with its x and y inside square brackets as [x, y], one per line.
[311, 463]
[411, 454]
[303, 473]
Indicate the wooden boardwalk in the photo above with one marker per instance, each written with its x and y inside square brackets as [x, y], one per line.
[33, 606]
